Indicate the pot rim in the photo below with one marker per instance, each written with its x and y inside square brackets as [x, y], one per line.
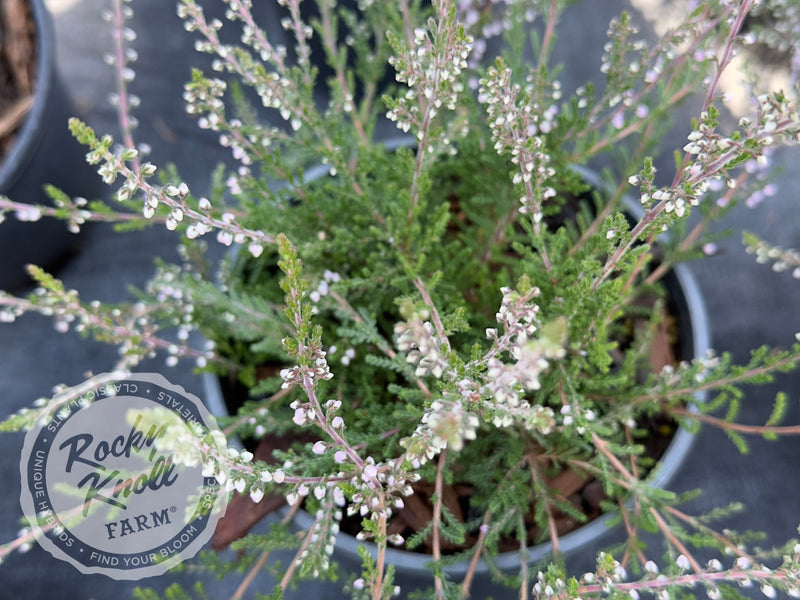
[689, 300]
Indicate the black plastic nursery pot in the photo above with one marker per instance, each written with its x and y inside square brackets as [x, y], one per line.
[44, 152]
[579, 547]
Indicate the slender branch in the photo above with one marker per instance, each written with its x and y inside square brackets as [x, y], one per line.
[382, 344]
[629, 526]
[632, 532]
[380, 563]
[436, 522]
[551, 522]
[295, 562]
[263, 558]
[126, 123]
[673, 539]
[697, 524]
[686, 581]
[738, 427]
[549, 34]
[689, 241]
[477, 551]
[743, 377]
[437, 320]
[602, 446]
[523, 563]
[662, 524]
[329, 39]
[727, 53]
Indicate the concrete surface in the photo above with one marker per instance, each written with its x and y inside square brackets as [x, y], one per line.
[748, 304]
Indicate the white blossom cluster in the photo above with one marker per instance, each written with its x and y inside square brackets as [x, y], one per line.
[451, 420]
[450, 423]
[507, 383]
[322, 537]
[177, 310]
[782, 259]
[487, 20]
[431, 66]
[76, 209]
[379, 490]
[418, 339]
[134, 328]
[711, 154]
[274, 88]
[517, 124]
[318, 369]
[198, 218]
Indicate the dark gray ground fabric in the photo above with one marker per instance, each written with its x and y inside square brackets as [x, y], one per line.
[748, 305]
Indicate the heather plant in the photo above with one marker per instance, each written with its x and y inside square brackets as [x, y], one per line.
[456, 305]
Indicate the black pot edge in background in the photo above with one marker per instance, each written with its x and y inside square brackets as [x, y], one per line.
[44, 152]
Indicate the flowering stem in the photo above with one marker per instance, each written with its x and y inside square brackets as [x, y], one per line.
[329, 39]
[123, 108]
[382, 344]
[86, 215]
[477, 551]
[688, 241]
[549, 34]
[673, 539]
[296, 103]
[686, 581]
[107, 330]
[551, 522]
[380, 563]
[712, 168]
[685, 392]
[523, 554]
[699, 525]
[437, 320]
[150, 190]
[677, 64]
[309, 387]
[727, 53]
[436, 521]
[293, 564]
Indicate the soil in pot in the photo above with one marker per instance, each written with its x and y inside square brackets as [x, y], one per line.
[585, 494]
